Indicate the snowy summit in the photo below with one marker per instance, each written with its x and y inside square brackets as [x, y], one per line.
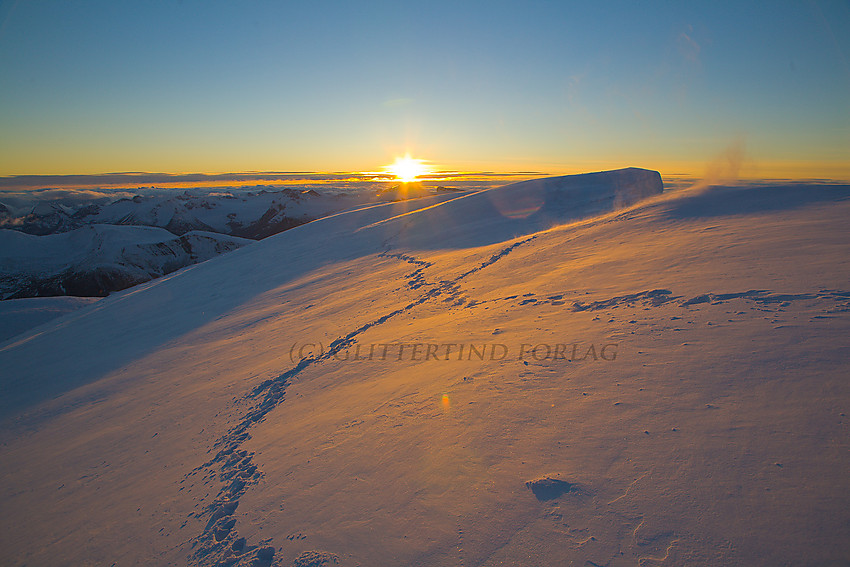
[579, 370]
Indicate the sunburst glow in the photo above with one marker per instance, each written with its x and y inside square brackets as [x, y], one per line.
[407, 169]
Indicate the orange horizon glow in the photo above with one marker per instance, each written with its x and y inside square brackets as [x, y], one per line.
[409, 169]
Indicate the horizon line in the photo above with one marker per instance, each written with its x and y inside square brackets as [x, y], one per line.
[133, 177]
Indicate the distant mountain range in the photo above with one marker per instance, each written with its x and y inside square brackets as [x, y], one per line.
[88, 247]
[253, 215]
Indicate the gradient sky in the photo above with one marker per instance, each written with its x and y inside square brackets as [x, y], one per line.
[560, 87]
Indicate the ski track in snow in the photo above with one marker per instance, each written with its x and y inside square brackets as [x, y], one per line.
[764, 299]
[235, 467]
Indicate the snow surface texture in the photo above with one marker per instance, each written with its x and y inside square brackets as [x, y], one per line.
[236, 412]
[95, 260]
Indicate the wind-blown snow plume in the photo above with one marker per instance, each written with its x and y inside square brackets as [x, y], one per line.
[725, 168]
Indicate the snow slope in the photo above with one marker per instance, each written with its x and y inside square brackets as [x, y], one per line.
[662, 383]
[19, 315]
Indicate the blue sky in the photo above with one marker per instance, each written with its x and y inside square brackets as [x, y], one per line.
[91, 87]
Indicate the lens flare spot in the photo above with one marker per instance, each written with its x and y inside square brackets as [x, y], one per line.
[446, 402]
[519, 204]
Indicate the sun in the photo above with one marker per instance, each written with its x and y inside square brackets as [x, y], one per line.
[407, 169]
